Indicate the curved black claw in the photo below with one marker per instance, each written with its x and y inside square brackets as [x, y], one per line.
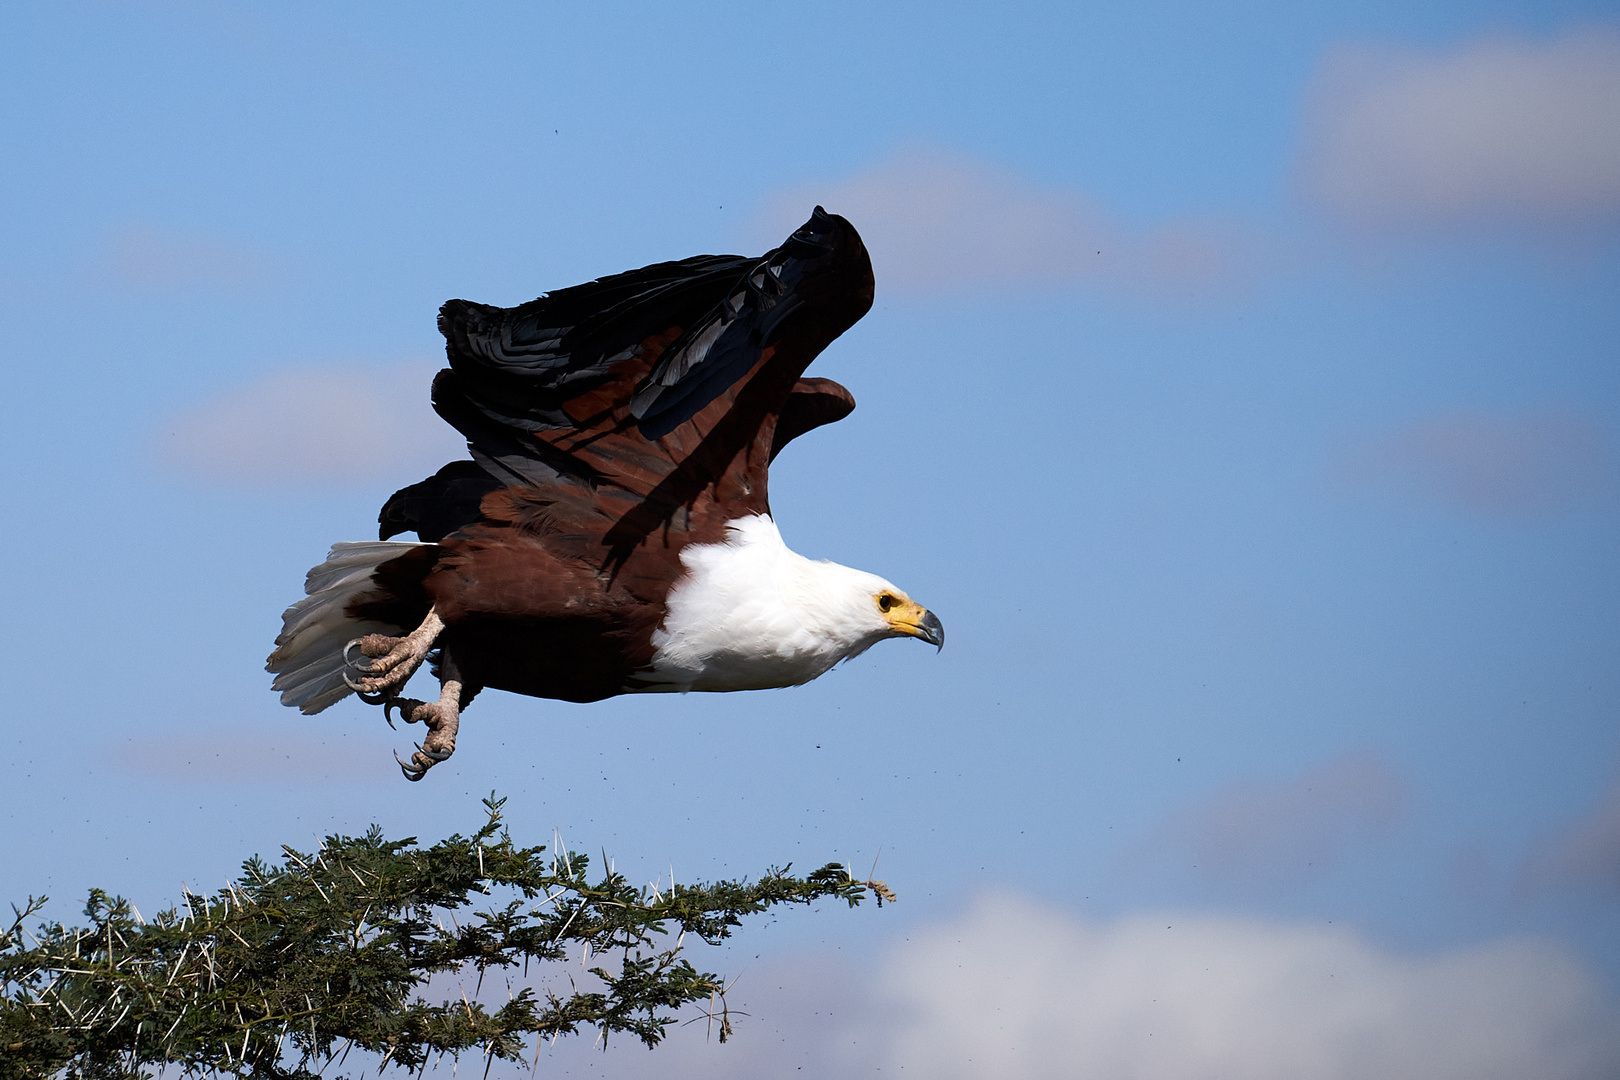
[364, 667]
[406, 707]
[412, 773]
[370, 697]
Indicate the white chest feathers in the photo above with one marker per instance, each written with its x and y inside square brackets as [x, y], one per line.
[751, 615]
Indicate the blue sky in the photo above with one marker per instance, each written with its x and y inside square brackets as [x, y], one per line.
[1243, 390]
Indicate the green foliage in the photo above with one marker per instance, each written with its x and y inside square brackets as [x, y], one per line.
[291, 965]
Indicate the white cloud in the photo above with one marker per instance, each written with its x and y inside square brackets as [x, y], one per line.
[315, 426]
[1014, 990]
[1290, 830]
[936, 220]
[1503, 465]
[1502, 129]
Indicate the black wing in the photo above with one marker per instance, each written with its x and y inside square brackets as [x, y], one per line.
[582, 384]
[521, 366]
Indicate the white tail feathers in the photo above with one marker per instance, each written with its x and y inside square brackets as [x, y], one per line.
[308, 661]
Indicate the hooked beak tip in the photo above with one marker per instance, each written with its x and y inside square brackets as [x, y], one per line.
[933, 631]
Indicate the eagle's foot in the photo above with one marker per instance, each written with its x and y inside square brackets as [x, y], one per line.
[389, 662]
[442, 718]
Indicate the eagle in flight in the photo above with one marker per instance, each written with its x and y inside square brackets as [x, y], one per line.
[611, 533]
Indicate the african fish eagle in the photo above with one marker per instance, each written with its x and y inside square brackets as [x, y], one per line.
[611, 533]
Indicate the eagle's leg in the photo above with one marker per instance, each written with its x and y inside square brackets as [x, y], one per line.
[390, 661]
[442, 717]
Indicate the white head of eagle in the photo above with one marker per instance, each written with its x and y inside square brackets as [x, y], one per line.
[753, 615]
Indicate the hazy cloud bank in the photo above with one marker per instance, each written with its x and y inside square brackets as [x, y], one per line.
[935, 220]
[149, 258]
[1502, 129]
[1501, 465]
[1585, 855]
[329, 426]
[1290, 830]
[287, 754]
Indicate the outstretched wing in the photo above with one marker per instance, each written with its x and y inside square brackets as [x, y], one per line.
[660, 381]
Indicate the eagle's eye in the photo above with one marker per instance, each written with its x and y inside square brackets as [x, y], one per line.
[885, 602]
